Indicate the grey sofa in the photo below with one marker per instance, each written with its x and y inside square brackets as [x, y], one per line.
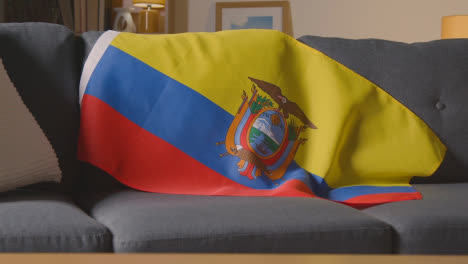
[91, 212]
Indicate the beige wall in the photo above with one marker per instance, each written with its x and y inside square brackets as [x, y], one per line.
[400, 20]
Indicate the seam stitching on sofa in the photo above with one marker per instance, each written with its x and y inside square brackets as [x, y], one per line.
[102, 235]
[121, 242]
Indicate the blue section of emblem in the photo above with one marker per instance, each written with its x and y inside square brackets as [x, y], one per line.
[241, 125]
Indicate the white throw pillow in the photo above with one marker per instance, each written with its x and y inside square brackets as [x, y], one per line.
[26, 155]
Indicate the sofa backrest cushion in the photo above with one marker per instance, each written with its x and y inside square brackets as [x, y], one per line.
[44, 65]
[430, 78]
[26, 155]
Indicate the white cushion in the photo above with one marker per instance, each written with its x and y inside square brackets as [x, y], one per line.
[26, 155]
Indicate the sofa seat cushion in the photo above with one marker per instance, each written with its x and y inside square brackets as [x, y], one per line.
[437, 224]
[34, 221]
[151, 222]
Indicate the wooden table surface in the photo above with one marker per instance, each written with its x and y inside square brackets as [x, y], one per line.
[67, 258]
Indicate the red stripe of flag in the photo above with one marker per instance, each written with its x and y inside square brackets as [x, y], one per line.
[379, 198]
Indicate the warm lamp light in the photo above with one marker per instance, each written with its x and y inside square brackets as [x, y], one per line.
[454, 27]
[149, 15]
[152, 3]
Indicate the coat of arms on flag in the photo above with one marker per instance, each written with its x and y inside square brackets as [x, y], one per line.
[266, 132]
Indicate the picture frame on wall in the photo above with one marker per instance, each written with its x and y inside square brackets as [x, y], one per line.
[260, 15]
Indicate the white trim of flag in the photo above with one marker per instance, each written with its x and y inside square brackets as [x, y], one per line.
[94, 57]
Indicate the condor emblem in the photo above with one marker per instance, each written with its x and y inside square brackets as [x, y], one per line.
[265, 133]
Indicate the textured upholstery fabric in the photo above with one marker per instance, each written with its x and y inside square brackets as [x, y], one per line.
[430, 78]
[149, 222]
[35, 221]
[437, 224]
[89, 39]
[43, 63]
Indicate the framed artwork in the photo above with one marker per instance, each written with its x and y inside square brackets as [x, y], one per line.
[260, 15]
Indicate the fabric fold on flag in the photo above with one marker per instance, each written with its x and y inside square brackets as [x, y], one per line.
[249, 113]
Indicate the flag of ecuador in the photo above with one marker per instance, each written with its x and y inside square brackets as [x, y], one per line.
[250, 113]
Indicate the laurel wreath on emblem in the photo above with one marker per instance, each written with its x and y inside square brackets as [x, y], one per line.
[265, 138]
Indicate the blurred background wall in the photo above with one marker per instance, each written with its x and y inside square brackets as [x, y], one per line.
[400, 20]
